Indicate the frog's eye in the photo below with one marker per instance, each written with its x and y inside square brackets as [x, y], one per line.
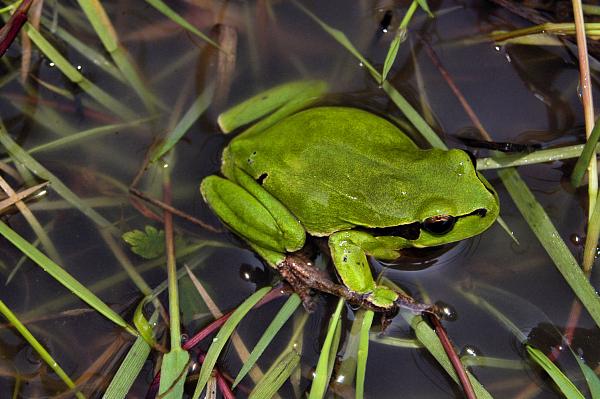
[439, 224]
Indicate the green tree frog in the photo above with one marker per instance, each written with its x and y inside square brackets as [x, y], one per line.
[346, 174]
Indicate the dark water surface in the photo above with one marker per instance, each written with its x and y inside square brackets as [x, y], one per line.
[521, 94]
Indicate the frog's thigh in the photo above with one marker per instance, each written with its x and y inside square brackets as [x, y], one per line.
[248, 217]
[348, 250]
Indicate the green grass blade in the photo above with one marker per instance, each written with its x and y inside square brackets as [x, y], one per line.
[172, 373]
[191, 116]
[591, 240]
[60, 275]
[170, 13]
[102, 97]
[280, 319]
[37, 346]
[564, 384]
[128, 371]
[142, 324]
[584, 160]
[363, 352]
[399, 38]
[221, 339]
[20, 155]
[423, 4]
[549, 155]
[268, 386]
[268, 101]
[427, 336]
[550, 239]
[411, 114]
[321, 379]
[592, 379]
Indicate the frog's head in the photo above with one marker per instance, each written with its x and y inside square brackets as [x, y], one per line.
[460, 204]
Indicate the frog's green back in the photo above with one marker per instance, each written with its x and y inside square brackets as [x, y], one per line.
[336, 168]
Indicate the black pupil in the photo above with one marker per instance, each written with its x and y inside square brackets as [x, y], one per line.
[439, 224]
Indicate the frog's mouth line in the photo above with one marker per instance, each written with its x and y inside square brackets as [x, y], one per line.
[412, 231]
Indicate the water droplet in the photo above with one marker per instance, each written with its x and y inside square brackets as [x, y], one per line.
[360, 64]
[448, 311]
[51, 64]
[577, 240]
[470, 350]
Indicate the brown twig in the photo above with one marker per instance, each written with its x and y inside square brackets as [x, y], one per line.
[174, 211]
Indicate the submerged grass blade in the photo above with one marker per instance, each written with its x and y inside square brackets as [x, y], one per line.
[276, 376]
[88, 52]
[75, 138]
[37, 346]
[191, 116]
[280, 319]
[170, 13]
[430, 340]
[221, 339]
[592, 379]
[363, 353]
[321, 379]
[564, 384]
[545, 231]
[20, 155]
[60, 275]
[102, 97]
[586, 155]
[96, 14]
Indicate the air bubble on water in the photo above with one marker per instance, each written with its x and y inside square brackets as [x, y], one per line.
[470, 350]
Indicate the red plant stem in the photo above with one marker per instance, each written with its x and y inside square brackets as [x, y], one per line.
[13, 26]
[221, 381]
[275, 293]
[454, 359]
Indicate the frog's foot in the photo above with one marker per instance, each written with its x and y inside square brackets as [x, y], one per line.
[303, 276]
[298, 286]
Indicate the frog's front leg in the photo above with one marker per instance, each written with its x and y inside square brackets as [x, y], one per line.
[348, 251]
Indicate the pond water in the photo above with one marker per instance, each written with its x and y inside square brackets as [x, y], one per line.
[521, 94]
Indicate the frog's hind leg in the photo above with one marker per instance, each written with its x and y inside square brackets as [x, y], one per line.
[255, 215]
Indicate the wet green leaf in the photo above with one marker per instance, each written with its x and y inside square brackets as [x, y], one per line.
[149, 244]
